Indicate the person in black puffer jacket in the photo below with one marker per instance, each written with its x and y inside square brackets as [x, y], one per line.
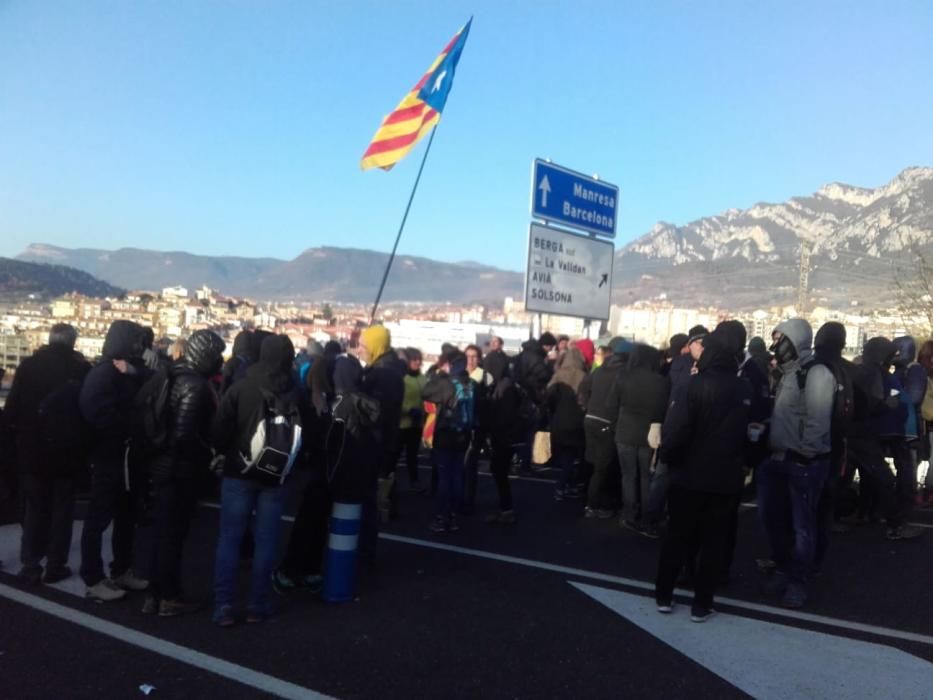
[703, 443]
[240, 360]
[639, 401]
[107, 405]
[174, 471]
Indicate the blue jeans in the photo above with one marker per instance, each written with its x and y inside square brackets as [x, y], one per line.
[450, 466]
[788, 502]
[239, 497]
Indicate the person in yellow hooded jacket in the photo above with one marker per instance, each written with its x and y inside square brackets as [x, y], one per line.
[383, 380]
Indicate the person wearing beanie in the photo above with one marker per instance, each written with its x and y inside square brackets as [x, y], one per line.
[383, 380]
[244, 491]
[683, 365]
[176, 465]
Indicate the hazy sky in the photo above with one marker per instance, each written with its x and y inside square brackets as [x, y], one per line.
[236, 126]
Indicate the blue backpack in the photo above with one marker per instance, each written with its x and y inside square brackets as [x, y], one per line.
[460, 416]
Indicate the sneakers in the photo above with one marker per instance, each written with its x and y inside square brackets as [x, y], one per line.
[223, 616]
[174, 608]
[629, 525]
[904, 532]
[150, 606]
[105, 591]
[698, 614]
[597, 513]
[665, 607]
[452, 524]
[795, 597]
[651, 532]
[439, 524]
[776, 585]
[282, 584]
[313, 583]
[128, 581]
[503, 517]
[57, 574]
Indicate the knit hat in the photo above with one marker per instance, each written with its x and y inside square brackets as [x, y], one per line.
[677, 343]
[697, 333]
[376, 340]
[547, 340]
[620, 346]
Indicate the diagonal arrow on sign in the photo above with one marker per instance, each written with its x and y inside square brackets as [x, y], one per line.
[768, 660]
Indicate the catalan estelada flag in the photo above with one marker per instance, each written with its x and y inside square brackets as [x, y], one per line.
[418, 112]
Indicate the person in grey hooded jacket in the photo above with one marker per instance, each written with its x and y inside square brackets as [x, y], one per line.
[791, 479]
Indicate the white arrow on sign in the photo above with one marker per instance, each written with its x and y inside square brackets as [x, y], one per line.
[545, 188]
[767, 660]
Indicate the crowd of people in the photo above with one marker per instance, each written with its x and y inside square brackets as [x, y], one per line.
[666, 440]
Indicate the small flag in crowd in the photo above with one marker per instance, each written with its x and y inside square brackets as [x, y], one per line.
[418, 112]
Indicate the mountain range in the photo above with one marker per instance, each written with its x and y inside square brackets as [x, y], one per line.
[19, 278]
[326, 274]
[858, 240]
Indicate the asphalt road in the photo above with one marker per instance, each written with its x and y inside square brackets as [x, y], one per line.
[555, 607]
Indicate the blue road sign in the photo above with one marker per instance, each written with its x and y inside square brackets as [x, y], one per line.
[573, 199]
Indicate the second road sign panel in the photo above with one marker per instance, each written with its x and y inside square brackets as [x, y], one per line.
[567, 274]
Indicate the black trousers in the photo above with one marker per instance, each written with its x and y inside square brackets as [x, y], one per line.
[409, 443]
[308, 539]
[499, 465]
[877, 483]
[601, 453]
[171, 509]
[110, 502]
[47, 520]
[699, 523]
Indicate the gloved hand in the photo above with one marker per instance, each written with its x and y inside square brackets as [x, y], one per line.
[654, 436]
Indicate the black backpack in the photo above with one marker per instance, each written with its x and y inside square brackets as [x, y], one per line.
[843, 401]
[60, 424]
[152, 406]
[275, 440]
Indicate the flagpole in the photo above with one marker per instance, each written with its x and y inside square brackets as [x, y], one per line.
[398, 237]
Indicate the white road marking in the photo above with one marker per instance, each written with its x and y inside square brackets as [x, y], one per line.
[646, 586]
[773, 661]
[240, 674]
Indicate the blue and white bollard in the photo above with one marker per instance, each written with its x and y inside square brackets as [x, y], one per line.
[340, 566]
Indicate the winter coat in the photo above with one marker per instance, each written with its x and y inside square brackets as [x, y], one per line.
[868, 390]
[124, 341]
[241, 358]
[501, 414]
[532, 371]
[240, 409]
[384, 381]
[564, 409]
[412, 404]
[191, 407]
[46, 371]
[703, 439]
[909, 380]
[680, 370]
[638, 397]
[802, 418]
[595, 389]
[107, 403]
